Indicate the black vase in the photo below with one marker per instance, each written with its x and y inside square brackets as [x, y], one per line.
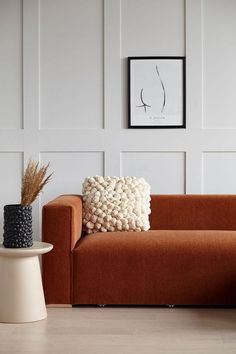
[18, 231]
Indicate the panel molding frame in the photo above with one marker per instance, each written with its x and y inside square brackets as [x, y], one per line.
[194, 108]
[103, 36]
[19, 123]
[205, 126]
[122, 153]
[212, 152]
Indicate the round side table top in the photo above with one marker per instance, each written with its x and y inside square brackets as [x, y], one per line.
[36, 249]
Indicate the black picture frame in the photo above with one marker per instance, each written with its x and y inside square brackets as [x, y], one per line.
[173, 69]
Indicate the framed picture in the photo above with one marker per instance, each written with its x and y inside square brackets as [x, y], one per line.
[156, 92]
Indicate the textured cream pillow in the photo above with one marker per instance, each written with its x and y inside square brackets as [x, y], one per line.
[115, 204]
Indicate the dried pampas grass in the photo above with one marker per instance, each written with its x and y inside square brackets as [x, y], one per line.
[33, 182]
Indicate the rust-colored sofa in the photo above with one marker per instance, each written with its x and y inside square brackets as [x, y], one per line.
[187, 258]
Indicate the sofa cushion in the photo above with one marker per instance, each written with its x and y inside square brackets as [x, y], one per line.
[193, 212]
[156, 267]
[115, 204]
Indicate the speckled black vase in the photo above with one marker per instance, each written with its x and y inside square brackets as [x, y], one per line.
[17, 226]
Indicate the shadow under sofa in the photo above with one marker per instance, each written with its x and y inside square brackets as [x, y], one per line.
[187, 258]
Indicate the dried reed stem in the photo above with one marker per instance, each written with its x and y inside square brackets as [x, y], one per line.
[33, 182]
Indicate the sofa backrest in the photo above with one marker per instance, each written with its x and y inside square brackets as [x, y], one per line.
[193, 212]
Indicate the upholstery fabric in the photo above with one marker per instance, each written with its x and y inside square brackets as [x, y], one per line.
[193, 212]
[156, 267]
[62, 226]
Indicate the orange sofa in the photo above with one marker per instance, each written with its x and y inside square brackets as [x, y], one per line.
[187, 258]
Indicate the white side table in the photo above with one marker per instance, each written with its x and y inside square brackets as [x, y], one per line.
[21, 290]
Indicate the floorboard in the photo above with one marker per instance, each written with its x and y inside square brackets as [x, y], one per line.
[124, 330]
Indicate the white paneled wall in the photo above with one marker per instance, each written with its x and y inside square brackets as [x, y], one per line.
[11, 64]
[165, 171]
[71, 168]
[11, 172]
[219, 43]
[219, 172]
[71, 64]
[153, 27]
[63, 93]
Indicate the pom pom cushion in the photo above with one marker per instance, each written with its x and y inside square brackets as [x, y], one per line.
[115, 204]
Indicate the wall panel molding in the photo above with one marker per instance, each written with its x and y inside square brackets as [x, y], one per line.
[70, 169]
[219, 56]
[193, 38]
[11, 61]
[163, 170]
[219, 173]
[71, 64]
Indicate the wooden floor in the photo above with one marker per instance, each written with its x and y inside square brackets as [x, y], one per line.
[124, 330]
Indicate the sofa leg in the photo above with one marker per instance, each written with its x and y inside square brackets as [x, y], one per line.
[170, 306]
[101, 305]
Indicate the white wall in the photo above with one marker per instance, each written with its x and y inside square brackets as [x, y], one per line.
[63, 93]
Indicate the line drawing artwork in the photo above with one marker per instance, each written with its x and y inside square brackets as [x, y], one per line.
[156, 92]
[144, 105]
[163, 88]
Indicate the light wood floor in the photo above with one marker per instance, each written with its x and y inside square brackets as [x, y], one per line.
[124, 330]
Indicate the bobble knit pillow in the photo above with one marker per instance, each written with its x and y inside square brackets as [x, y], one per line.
[115, 204]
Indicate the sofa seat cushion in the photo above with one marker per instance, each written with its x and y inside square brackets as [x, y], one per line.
[156, 267]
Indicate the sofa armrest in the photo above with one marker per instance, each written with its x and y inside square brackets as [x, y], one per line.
[61, 226]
